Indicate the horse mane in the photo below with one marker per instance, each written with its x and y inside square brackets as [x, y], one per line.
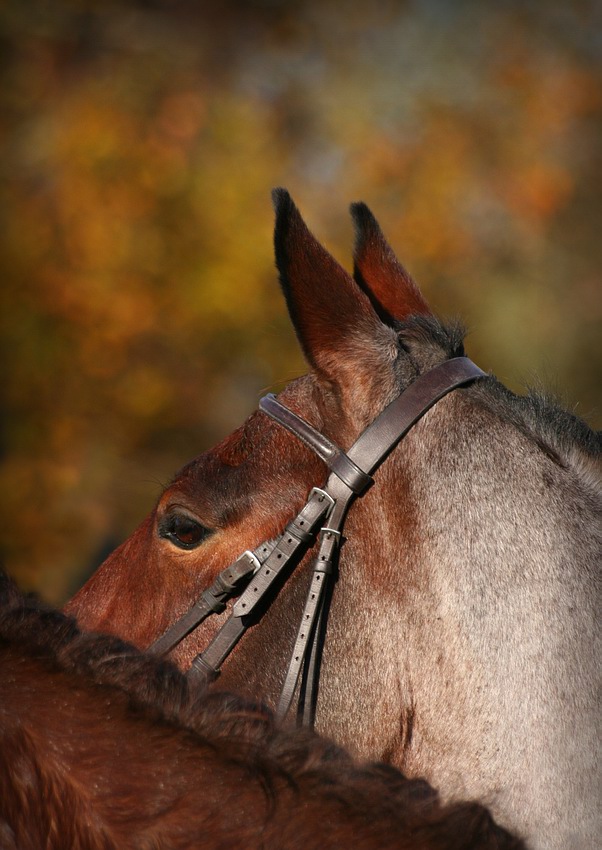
[562, 435]
[240, 732]
[48, 635]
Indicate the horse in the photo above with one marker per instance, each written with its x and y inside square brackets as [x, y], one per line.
[104, 747]
[461, 642]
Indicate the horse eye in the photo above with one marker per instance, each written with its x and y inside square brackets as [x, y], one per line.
[184, 531]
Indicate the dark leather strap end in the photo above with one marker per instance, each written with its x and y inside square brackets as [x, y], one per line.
[201, 673]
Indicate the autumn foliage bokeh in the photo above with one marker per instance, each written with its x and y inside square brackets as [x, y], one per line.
[140, 314]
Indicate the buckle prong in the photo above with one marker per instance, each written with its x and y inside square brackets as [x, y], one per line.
[253, 558]
[317, 491]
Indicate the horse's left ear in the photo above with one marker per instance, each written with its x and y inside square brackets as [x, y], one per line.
[377, 270]
[335, 322]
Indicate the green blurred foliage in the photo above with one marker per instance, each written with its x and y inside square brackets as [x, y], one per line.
[140, 315]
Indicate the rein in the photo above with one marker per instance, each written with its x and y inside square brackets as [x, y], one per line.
[255, 577]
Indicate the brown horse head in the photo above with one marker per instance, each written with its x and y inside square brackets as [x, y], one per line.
[245, 490]
[461, 643]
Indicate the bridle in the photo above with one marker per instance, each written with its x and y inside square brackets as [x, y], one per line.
[256, 577]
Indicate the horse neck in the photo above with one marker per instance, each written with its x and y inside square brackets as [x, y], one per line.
[486, 626]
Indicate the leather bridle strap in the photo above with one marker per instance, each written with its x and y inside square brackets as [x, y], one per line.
[229, 583]
[383, 434]
[366, 454]
[264, 570]
[290, 547]
[334, 457]
[379, 438]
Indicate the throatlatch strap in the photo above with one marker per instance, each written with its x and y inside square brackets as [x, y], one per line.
[350, 476]
[323, 568]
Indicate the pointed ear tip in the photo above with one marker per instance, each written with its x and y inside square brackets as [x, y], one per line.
[364, 223]
[358, 209]
[280, 196]
[362, 215]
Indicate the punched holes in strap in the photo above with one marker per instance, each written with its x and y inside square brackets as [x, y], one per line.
[298, 534]
[295, 540]
[323, 568]
[227, 584]
[333, 456]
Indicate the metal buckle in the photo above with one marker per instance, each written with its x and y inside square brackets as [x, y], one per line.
[253, 559]
[318, 491]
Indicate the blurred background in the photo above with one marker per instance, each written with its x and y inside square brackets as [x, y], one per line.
[140, 313]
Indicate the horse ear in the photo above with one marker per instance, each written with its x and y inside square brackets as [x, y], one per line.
[377, 270]
[334, 319]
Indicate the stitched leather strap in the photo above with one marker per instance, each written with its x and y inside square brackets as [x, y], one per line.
[298, 535]
[249, 608]
[228, 583]
[349, 478]
[379, 438]
[322, 571]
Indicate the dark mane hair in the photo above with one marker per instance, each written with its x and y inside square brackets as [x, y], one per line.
[561, 434]
[300, 776]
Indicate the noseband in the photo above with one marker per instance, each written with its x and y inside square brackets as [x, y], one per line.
[255, 577]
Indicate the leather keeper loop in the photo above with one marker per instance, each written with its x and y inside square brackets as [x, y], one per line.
[201, 671]
[325, 566]
[350, 473]
[302, 534]
[214, 603]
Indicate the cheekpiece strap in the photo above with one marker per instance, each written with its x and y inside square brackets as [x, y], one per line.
[364, 456]
[323, 569]
[257, 576]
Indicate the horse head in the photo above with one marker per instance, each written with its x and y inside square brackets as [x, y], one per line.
[461, 640]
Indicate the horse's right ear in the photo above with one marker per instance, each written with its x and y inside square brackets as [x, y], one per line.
[377, 270]
[335, 322]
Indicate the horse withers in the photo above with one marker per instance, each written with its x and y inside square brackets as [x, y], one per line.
[461, 643]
